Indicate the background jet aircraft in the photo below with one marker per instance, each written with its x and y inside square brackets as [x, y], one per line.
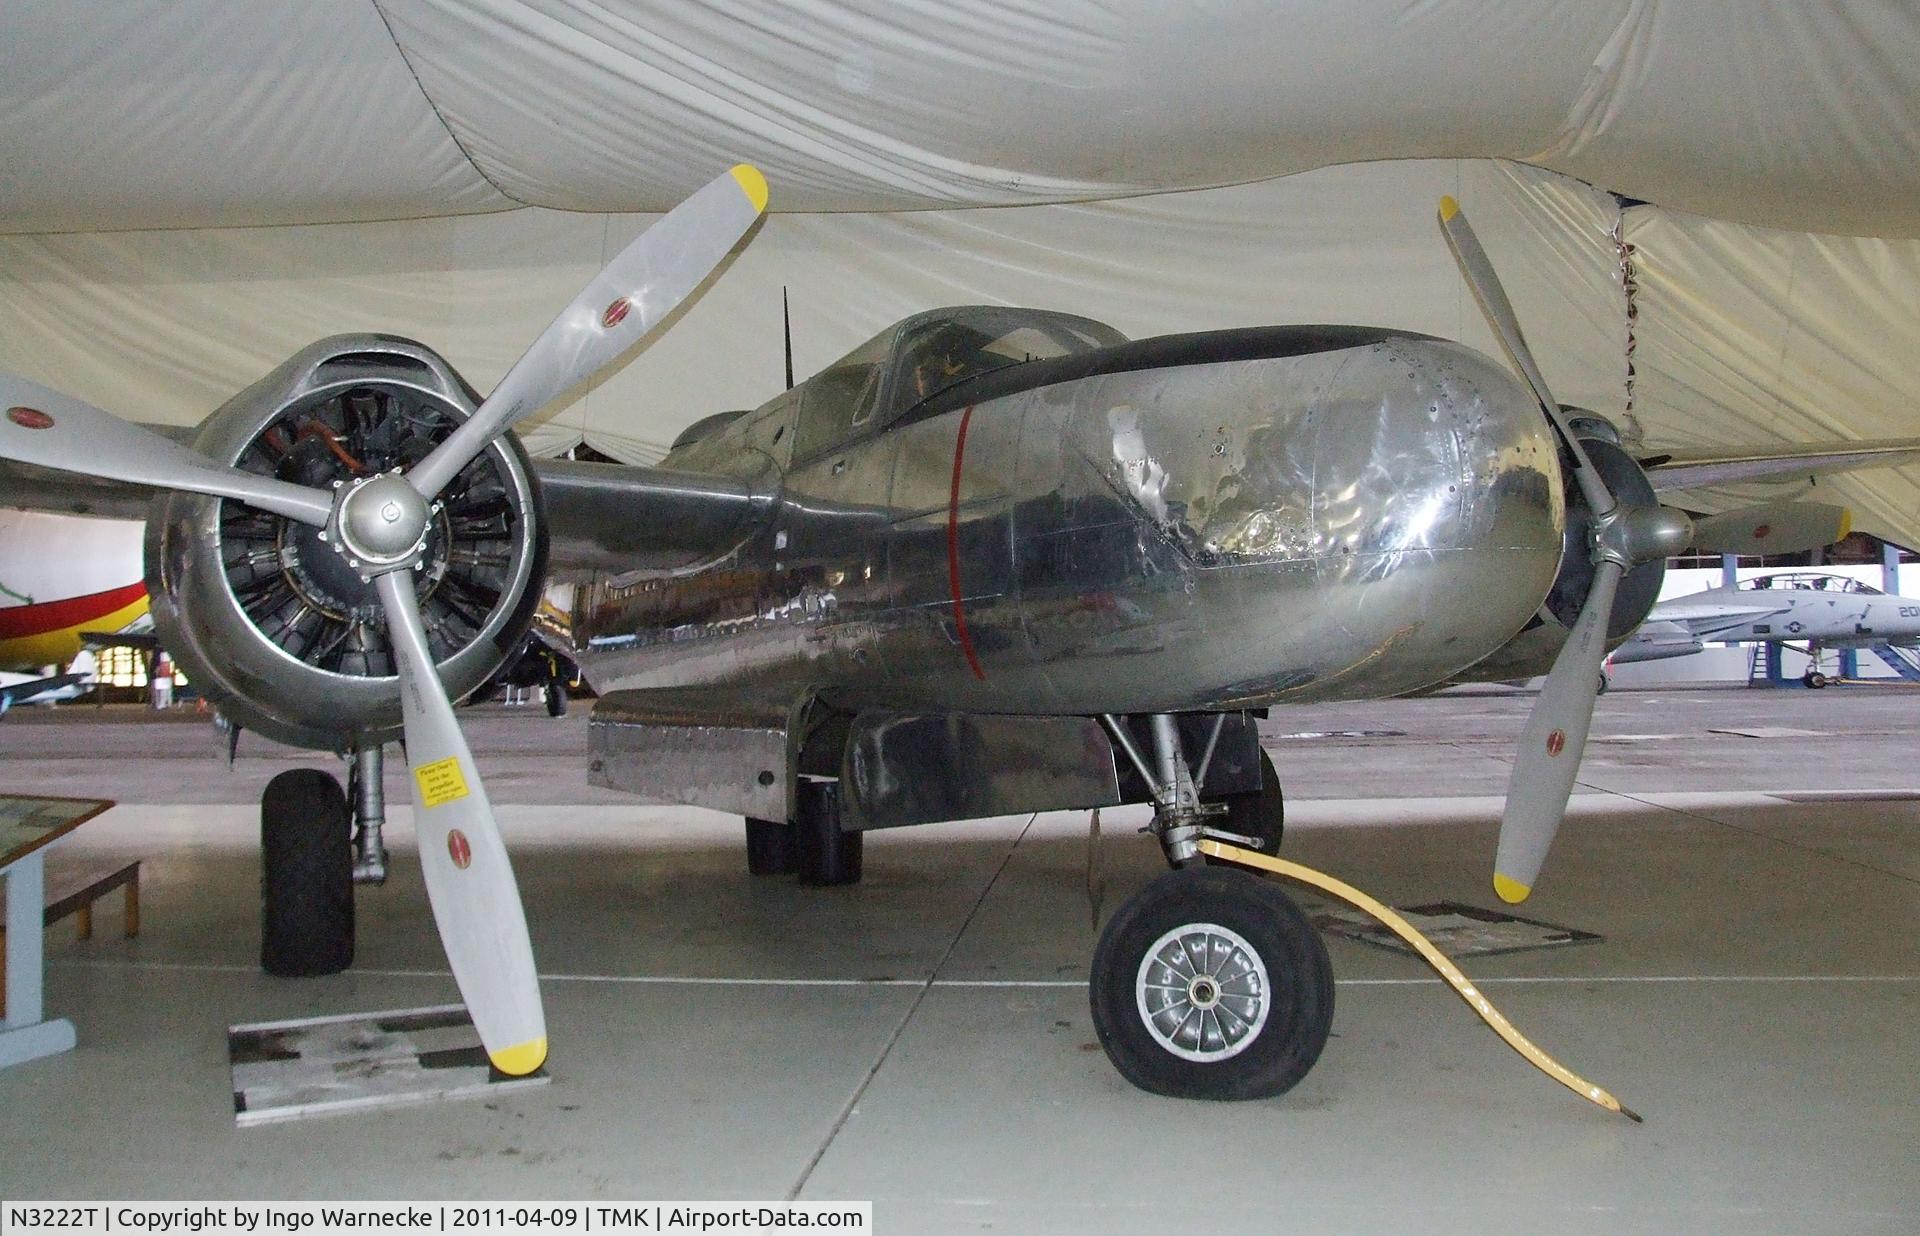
[992, 560]
[1814, 608]
[49, 689]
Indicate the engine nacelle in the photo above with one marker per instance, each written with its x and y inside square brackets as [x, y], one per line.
[1531, 652]
[273, 623]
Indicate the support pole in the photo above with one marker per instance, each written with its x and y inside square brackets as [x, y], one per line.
[1729, 571]
[1889, 568]
[23, 1035]
[26, 899]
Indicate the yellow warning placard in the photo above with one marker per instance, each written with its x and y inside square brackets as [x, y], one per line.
[441, 782]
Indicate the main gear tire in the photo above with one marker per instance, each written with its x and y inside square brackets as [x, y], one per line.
[306, 875]
[773, 847]
[828, 855]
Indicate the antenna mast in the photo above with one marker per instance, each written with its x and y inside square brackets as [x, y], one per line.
[786, 331]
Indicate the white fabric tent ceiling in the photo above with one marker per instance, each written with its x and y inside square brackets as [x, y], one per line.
[192, 189]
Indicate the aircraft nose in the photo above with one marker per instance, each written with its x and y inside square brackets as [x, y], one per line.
[1438, 505]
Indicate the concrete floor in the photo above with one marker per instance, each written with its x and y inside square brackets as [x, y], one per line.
[923, 1039]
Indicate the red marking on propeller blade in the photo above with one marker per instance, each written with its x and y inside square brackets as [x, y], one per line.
[614, 312]
[1556, 742]
[953, 550]
[30, 418]
[458, 849]
[1761, 533]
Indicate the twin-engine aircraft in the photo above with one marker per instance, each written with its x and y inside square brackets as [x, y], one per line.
[993, 560]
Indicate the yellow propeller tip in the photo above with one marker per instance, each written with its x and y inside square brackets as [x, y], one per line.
[1511, 891]
[1448, 207]
[520, 1059]
[753, 184]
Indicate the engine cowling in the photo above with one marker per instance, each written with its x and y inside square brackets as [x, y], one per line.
[273, 622]
[1531, 652]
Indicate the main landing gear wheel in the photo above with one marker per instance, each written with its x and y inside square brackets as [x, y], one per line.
[1261, 814]
[773, 847]
[827, 853]
[1814, 679]
[1211, 984]
[306, 876]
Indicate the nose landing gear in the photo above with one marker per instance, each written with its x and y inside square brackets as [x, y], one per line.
[1184, 814]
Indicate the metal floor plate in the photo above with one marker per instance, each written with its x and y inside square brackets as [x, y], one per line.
[289, 1070]
[1456, 929]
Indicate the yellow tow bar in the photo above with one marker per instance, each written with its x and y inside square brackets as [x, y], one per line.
[1460, 983]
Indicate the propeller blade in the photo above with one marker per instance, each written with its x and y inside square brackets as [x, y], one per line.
[469, 879]
[1552, 743]
[42, 426]
[1773, 528]
[636, 291]
[1479, 273]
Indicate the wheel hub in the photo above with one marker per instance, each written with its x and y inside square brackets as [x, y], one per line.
[1203, 992]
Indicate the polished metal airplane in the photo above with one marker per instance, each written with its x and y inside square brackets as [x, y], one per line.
[1816, 609]
[993, 560]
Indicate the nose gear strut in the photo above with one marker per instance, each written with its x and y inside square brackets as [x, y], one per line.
[1180, 820]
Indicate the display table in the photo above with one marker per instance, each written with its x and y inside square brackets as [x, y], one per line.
[28, 825]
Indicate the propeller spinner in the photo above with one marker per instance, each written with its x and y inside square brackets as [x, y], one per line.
[380, 524]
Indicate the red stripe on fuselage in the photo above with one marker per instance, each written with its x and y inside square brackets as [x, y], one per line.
[20, 621]
[953, 549]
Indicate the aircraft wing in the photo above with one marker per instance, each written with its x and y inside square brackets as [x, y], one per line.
[33, 688]
[1700, 469]
[601, 517]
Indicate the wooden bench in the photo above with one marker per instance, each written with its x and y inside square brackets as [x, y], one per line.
[73, 888]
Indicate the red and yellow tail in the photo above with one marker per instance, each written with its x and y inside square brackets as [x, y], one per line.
[48, 633]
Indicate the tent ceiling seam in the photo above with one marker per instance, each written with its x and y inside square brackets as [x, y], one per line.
[433, 106]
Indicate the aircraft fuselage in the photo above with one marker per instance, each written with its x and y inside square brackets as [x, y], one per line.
[1202, 522]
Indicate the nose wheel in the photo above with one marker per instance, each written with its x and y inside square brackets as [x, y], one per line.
[1212, 984]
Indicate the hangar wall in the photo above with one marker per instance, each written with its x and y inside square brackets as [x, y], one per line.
[1745, 335]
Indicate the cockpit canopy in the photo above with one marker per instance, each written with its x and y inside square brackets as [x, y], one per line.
[869, 387]
[1811, 581]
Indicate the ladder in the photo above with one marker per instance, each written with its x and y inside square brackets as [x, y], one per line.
[1902, 661]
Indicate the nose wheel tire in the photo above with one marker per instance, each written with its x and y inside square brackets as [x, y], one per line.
[1814, 679]
[306, 875]
[1212, 984]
